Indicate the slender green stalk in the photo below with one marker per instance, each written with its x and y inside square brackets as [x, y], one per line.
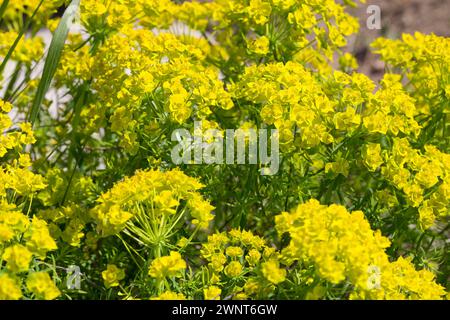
[3, 8]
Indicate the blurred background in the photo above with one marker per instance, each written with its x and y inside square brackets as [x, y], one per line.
[397, 17]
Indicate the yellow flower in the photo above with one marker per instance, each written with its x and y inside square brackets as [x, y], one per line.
[341, 245]
[212, 293]
[303, 17]
[340, 166]
[6, 233]
[182, 242]
[260, 46]
[112, 275]
[9, 289]
[426, 216]
[5, 106]
[150, 189]
[348, 120]
[169, 295]
[259, 10]
[167, 266]
[372, 156]
[253, 257]
[42, 286]
[240, 296]
[233, 269]
[166, 202]
[15, 220]
[272, 271]
[17, 258]
[348, 61]
[233, 251]
[414, 193]
[252, 286]
[38, 237]
[217, 261]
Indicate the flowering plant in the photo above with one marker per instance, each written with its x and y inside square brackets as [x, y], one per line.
[358, 207]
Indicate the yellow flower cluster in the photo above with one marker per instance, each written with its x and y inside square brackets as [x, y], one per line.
[13, 140]
[140, 67]
[287, 25]
[28, 49]
[415, 173]
[16, 10]
[292, 100]
[17, 258]
[99, 186]
[42, 286]
[36, 240]
[272, 272]
[343, 247]
[212, 293]
[167, 266]
[239, 255]
[150, 195]
[112, 16]
[20, 241]
[425, 60]
[297, 102]
[9, 289]
[169, 295]
[391, 110]
[66, 222]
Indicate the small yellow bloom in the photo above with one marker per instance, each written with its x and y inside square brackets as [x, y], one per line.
[167, 266]
[272, 272]
[17, 258]
[6, 233]
[253, 256]
[233, 269]
[372, 156]
[234, 251]
[260, 46]
[42, 286]
[169, 295]
[212, 293]
[112, 275]
[5, 106]
[9, 289]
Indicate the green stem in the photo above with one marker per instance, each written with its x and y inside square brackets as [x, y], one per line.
[3, 8]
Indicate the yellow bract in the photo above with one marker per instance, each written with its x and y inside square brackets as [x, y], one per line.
[212, 293]
[167, 266]
[17, 258]
[9, 289]
[112, 276]
[40, 284]
[157, 193]
[342, 247]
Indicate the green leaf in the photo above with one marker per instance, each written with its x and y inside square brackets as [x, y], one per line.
[3, 8]
[53, 57]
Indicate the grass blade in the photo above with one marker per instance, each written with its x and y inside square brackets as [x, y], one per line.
[3, 8]
[53, 57]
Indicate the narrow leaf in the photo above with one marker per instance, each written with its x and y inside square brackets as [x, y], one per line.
[3, 8]
[53, 57]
